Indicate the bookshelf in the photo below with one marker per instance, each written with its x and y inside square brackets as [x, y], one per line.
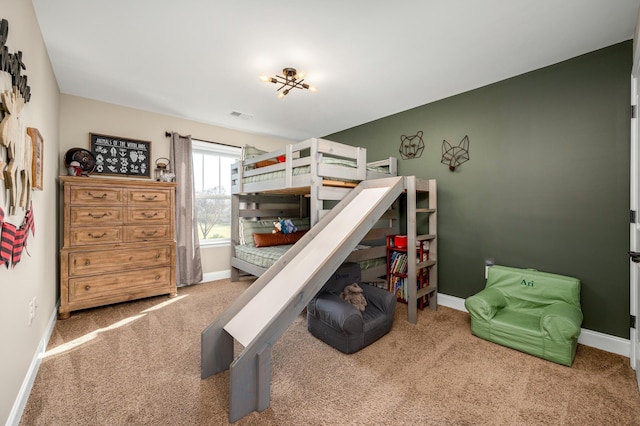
[420, 277]
[397, 270]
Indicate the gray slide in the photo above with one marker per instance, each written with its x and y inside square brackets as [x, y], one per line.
[265, 310]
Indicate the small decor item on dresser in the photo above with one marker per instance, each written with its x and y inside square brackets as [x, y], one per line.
[74, 169]
[162, 171]
[79, 162]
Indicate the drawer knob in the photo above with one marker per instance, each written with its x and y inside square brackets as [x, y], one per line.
[149, 216]
[148, 233]
[87, 262]
[97, 236]
[157, 277]
[87, 287]
[149, 197]
[158, 256]
[98, 197]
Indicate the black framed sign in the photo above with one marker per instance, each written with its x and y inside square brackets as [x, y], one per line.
[120, 156]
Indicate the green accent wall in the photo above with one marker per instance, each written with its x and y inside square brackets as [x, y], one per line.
[547, 183]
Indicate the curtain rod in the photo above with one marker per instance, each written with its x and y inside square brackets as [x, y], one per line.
[168, 135]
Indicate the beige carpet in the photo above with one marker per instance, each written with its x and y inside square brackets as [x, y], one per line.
[138, 363]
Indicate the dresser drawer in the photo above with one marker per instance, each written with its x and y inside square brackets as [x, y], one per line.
[96, 216]
[142, 215]
[149, 196]
[147, 233]
[122, 285]
[95, 235]
[103, 261]
[96, 195]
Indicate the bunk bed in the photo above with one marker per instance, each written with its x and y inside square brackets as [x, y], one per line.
[300, 182]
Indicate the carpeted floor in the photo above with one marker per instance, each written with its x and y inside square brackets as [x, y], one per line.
[138, 363]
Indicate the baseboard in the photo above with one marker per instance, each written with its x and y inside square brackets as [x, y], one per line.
[27, 383]
[594, 339]
[452, 302]
[214, 276]
[606, 342]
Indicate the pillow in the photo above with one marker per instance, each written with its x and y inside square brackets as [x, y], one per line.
[249, 227]
[279, 239]
[265, 163]
[249, 151]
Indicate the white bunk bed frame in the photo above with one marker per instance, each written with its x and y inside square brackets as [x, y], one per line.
[311, 179]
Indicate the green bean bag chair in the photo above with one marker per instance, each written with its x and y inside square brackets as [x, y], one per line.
[534, 312]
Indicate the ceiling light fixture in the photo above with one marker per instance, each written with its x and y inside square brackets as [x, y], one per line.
[290, 79]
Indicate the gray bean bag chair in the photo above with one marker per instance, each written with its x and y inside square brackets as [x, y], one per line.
[341, 324]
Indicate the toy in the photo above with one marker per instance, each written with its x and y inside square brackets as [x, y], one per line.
[284, 226]
[74, 169]
[353, 294]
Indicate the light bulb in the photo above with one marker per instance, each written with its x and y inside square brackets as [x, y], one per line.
[268, 79]
[313, 89]
[299, 75]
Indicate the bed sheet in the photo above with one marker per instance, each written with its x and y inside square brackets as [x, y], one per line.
[265, 257]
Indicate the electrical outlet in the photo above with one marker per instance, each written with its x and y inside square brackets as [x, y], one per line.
[32, 310]
[488, 263]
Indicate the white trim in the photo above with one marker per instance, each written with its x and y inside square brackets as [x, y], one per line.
[212, 276]
[594, 339]
[217, 242]
[452, 302]
[606, 342]
[215, 276]
[633, 204]
[27, 383]
[213, 147]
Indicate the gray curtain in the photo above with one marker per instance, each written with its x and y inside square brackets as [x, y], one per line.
[188, 263]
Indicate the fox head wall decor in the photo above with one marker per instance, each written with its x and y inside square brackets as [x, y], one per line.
[455, 155]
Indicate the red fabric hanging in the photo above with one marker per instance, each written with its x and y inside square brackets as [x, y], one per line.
[29, 222]
[13, 240]
[18, 245]
[28, 225]
[6, 242]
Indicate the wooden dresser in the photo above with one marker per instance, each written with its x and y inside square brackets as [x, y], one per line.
[118, 241]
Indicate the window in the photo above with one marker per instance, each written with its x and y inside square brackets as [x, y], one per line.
[212, 180]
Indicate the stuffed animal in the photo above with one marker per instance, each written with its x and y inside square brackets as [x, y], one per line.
[284, 226]
[353, 294]
[278, 227]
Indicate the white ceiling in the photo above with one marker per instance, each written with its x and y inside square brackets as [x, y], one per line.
[200, 59]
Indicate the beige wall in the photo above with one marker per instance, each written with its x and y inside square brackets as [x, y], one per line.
[65, 122]
[81, 116]
[37, 273]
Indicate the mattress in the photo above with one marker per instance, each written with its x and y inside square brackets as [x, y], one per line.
[265, 257]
